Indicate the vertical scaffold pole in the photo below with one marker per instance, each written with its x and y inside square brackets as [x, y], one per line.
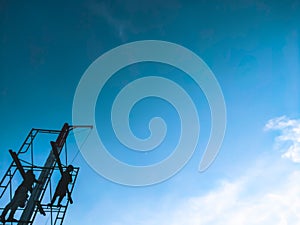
[48, 166]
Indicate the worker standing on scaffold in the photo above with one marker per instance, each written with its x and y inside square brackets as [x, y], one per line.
[62, 187]
[20, 197]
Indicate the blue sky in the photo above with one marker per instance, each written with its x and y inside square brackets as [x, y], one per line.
[252, 47]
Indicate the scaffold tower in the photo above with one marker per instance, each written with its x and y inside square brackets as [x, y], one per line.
[24, 160]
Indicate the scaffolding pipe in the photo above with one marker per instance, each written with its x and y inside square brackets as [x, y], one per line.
[37, 191]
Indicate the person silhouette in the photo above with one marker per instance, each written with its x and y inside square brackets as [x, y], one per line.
[20, 197]
[62, 186]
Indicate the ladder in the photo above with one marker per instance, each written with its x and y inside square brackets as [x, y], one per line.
[25, 156]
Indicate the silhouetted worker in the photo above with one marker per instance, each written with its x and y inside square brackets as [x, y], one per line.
[62, 187]
[20, 197]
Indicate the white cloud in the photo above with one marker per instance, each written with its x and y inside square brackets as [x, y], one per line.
[268, 193]
[254, 199]
[228, 205]
[289, 138]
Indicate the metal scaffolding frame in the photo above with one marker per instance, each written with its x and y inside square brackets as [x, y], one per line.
[26, 157]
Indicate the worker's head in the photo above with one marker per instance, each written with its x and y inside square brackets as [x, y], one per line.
[70, 168]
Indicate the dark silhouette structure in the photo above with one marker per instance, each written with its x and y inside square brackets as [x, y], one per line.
[62, 187]
[27, 206]
[20, 197]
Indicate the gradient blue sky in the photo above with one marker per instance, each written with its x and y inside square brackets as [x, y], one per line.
[251, 46]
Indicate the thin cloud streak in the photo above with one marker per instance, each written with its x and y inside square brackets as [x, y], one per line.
[289, 139]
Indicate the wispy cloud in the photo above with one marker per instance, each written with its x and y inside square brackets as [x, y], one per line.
[267, 193]
[263, 196]
[289, 138]
[101, 9]
[134, 17]
[234, 203]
